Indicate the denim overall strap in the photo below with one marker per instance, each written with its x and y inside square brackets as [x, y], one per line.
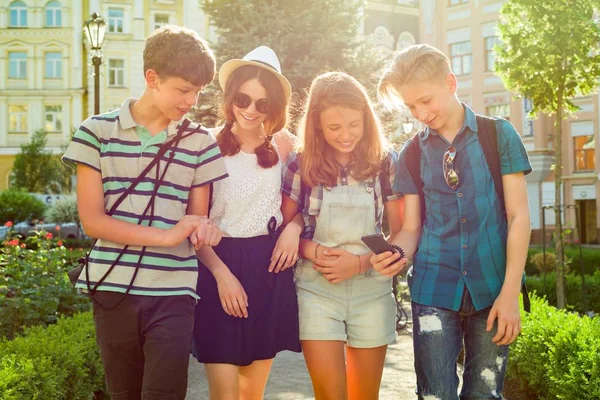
[347, 213]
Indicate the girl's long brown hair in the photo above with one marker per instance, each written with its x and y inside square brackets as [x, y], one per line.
[317, 164]
[276, 117]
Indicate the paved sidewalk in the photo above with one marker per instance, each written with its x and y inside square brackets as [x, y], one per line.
[289, 379]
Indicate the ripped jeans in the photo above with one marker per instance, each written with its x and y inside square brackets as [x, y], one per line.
[438, 338]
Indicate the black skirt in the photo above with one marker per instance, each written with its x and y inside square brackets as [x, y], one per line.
[272, 323]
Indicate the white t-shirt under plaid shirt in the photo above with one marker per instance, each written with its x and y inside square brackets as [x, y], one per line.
[114, 145]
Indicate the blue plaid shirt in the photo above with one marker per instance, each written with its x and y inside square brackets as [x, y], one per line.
[463, 241]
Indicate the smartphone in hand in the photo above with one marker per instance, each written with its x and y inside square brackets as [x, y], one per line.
[379, 245]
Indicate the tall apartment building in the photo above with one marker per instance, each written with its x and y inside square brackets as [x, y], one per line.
[41, 73]
[45, 75]
[466, 31]
[129, 23]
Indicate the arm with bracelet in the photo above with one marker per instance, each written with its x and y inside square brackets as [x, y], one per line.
[379, 245]
[407, 240]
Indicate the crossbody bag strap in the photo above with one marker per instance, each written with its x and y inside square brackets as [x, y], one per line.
[161, 152]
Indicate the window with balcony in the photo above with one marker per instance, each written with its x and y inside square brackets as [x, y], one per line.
[17, 120]
[116, 20]
[116, 72]
[461, 56]
[490, 56]
[53, 61]
[53, 14]
[17, 64]
[18, 14]
[585, 153]
[53, 118]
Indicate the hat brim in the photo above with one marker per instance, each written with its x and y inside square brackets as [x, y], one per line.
[230, 66]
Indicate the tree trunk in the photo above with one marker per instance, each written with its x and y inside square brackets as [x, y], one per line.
[558, 227]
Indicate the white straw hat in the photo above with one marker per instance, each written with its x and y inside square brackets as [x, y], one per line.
[262, 57]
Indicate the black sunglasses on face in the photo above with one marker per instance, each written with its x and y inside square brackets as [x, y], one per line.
[242, 100]
[450, 174]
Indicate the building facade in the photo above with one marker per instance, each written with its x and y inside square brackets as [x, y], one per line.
[390, 26]
[466, 31]
[41, 74]
[46, 79]
[129, 22]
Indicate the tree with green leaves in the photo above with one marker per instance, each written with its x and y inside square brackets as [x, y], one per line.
[309, 37]
[550, 54]
[37, 170]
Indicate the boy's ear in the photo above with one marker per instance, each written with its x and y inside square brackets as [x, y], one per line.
[151, 78]
[452, 82]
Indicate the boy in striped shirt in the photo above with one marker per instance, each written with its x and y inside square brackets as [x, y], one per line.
[145, 336]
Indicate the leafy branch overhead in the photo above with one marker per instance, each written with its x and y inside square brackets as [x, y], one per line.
[309, 37]
[549, 49]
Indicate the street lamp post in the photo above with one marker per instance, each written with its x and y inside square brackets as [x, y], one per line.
[94, 30]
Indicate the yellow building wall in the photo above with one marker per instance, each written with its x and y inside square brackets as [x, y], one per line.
[6, 164]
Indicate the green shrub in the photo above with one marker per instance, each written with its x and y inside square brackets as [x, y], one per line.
[556, 355]
[544, 262]
[63, 211]
[35, 289]
[61, 361]
[573, 292]
[591, 259]
[573, 367]
[17, 206]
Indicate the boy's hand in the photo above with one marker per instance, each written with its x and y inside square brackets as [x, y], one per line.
[184, 228]
[206, 234]
[285, 252]
[506, 310]
[231, 293]
[388, 264]
[336, 264]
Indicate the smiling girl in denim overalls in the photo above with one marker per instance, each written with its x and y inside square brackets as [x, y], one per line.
[342, 178]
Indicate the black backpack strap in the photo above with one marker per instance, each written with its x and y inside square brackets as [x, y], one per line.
[526, 301]
[488, 139]
[412, 154]
[413, 163]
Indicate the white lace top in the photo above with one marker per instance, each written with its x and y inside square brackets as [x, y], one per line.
[243, 203]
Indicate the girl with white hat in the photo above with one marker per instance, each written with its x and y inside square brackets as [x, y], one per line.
[248, 310]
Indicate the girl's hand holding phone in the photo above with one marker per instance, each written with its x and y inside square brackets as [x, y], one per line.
[388, 263]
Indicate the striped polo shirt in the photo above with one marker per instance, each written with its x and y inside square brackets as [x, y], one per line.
[114, 145]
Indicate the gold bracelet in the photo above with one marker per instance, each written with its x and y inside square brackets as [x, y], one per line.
[316, 250]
